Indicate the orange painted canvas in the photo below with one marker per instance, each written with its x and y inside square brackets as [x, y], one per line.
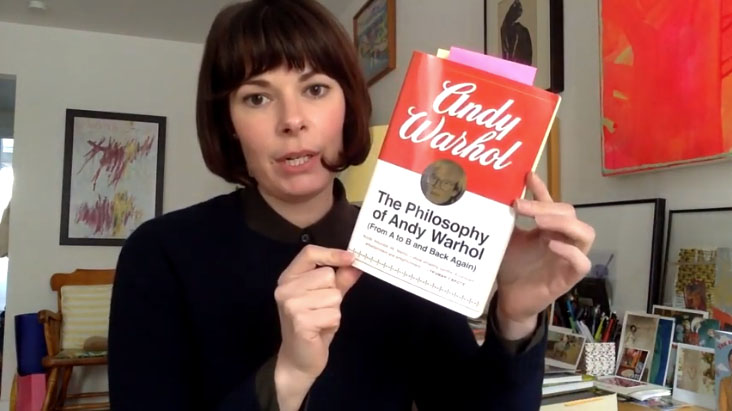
[666, 83]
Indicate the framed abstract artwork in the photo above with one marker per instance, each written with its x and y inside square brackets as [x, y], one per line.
[698, 262]
[666, 83]
[530, 32]
[374, 32]
[112, 177]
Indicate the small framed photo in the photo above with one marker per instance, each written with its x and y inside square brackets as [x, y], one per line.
[649, 334]
[564, 348]
[112, 177]
[695, 376]
[685, 322]
[374, 32]
[632, 363]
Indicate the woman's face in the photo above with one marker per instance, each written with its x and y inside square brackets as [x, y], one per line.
[286, 121]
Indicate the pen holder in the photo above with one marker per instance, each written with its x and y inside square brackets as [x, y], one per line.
[598, 359]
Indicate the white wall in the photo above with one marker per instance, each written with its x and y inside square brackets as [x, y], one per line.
[423, 25]
[58, 69]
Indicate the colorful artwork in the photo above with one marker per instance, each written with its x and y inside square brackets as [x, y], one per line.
[695, 278]
[686, 321]
[695, 376]
[564, 349]
[112, 175]
[666, 83]
[645, 342]
[374, 31]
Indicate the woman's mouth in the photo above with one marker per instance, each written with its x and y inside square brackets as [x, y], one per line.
[298, 161]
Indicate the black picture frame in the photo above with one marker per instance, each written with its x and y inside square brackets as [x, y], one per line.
[647, 217]
[73, 140]
[712, 232]
[556, 40]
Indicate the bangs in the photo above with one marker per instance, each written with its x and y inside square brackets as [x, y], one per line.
[249, 38]
[272, 35]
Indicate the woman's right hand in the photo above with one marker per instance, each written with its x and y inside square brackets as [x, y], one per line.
[309, 295]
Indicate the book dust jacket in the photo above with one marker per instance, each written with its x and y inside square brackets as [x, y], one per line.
[438, 214]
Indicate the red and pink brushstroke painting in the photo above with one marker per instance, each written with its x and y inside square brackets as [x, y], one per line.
[111, 215]
[666, 83]
[113, 172]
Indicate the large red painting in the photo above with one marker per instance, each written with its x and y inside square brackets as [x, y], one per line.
[666, 83]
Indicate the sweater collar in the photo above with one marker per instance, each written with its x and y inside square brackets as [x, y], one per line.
[333, 230]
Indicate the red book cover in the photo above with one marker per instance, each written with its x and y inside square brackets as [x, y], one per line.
[438, 212]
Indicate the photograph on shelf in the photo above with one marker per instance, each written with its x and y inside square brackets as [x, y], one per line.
[723, 370]
[564, 348]
[651, 334]
[695, 376]
[684, 319]
[628, 250]
[632, 363]
[706, 332]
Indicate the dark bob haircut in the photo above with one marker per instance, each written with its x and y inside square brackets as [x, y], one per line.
[250, 38]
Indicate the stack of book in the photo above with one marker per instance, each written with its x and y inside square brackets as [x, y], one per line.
[626, 387]
[563, 382]
[587, 400]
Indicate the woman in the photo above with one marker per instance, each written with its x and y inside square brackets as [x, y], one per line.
[248, 301]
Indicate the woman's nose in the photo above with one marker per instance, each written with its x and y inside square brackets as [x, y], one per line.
[292, 119]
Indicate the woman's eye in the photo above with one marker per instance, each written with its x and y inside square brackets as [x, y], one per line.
[255, 100]
[317, 90]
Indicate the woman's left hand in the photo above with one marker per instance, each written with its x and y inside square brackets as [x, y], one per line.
[541, 264]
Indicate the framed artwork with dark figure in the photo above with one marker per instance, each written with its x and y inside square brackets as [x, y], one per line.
[628, 250]
[113, 175]
[529, 32]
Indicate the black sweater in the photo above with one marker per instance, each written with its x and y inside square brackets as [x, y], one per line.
[193, 322]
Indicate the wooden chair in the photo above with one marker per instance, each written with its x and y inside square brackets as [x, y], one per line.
[60, 363]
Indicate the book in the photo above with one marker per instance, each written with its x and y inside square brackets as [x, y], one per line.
[588, 400]
[562, 377]
[659, 403]
[554, 389]
[631, 388]
[438, 215]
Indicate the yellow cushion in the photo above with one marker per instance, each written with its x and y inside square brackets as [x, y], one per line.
[85, 310]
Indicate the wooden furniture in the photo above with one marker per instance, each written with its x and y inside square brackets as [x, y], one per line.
[60, 363]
